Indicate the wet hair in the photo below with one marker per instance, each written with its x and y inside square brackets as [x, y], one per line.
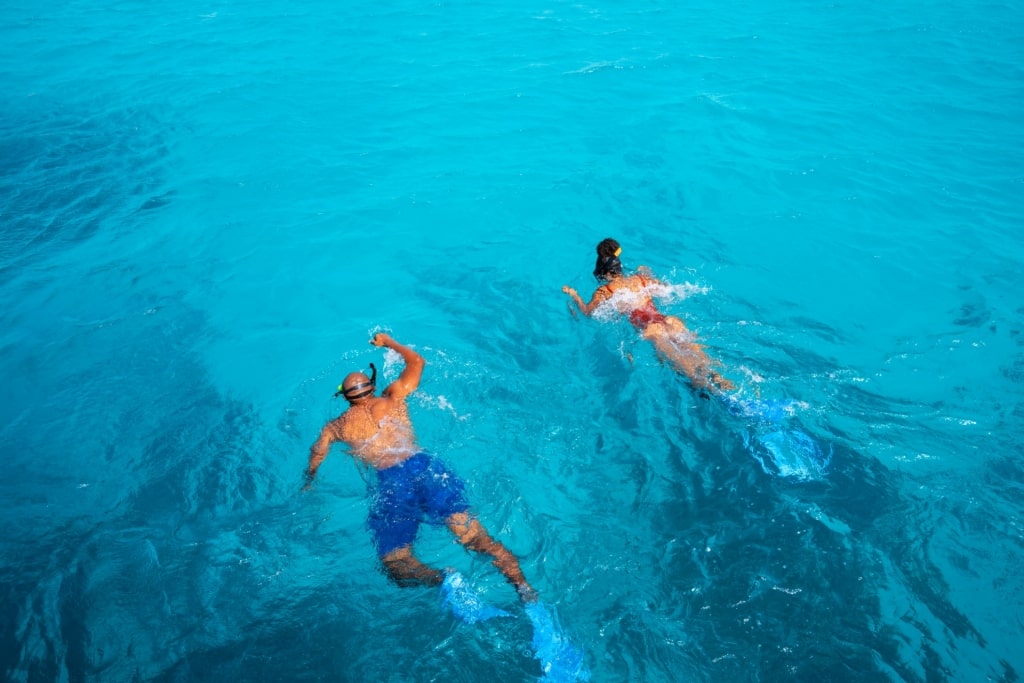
[608, 263]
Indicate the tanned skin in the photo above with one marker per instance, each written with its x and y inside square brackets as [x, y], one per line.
[378, 432]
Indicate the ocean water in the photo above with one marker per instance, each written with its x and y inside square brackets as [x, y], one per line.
[208, 208]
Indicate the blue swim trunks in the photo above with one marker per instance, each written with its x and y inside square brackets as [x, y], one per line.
[420, 489]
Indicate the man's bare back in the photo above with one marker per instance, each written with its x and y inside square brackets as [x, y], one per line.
[377, 429]
[377, 432]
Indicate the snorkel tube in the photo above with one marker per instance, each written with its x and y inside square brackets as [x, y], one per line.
[361, 390]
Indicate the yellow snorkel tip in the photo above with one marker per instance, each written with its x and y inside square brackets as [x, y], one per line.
[618, 251]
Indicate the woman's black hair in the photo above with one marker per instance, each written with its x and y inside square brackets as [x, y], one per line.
[608, 263]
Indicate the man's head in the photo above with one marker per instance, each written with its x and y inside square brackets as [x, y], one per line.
[357, 386]
[608, 264]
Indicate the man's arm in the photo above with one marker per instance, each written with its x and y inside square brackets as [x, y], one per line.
[411, 374]
[317, 453]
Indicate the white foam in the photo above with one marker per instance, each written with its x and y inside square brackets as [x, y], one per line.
[624, 301]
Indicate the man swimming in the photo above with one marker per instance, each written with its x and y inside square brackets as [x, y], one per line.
[412, 486]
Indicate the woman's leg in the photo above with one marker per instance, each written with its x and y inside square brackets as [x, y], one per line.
[674, 343]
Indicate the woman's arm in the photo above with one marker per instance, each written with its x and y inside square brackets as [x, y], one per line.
[600, 294]
[646, 276]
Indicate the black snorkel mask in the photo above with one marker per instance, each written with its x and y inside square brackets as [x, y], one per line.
[361, 390]
[609, 265]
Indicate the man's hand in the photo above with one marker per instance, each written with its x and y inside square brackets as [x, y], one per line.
[381, 339]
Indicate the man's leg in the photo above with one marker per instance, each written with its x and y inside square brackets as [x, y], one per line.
[473, 535]
[406, 570]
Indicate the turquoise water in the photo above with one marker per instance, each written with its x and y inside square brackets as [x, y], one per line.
[208, 208]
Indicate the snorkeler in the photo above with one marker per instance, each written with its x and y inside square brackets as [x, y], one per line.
[412, 486]
[630, 296]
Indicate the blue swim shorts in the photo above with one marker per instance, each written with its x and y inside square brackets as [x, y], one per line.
[420, 489]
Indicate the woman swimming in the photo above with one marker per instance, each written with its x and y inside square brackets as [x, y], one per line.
[630, 295]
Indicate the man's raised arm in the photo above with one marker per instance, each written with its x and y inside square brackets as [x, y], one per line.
[410, 377]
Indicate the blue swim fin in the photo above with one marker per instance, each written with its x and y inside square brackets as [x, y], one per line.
[765, 410]
[464, 602]
[560, 660]
[791, 453]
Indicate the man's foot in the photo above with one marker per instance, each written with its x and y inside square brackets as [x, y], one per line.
[526, 593]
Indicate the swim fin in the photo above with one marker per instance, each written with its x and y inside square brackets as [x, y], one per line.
[560, 660]
[765, 410]
[793, 453]
[464, 602]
